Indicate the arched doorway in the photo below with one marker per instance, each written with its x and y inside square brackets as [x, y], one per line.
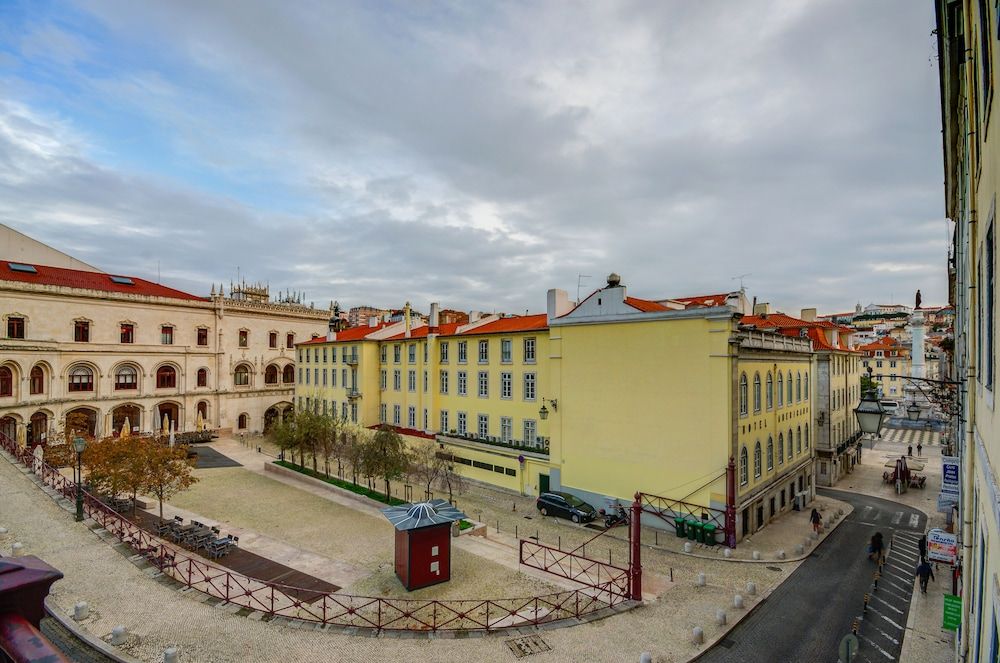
[171, 411]
[80, 420]
[8, 428]
[271, 415]
[38, 427]
[128, 411]
[202, 412]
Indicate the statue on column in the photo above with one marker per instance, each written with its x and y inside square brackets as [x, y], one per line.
[917, 306]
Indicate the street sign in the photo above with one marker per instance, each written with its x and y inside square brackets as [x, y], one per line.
[941, 546]
[848, 647]
[952, 612]
[949, 474]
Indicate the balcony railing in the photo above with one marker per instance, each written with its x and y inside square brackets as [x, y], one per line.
[539, 446]
[351, 360]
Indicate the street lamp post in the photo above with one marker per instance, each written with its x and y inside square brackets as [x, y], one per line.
[870, 414]
[913, 411]
[79, 444]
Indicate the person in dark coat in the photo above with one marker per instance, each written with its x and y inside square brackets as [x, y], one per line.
[816, 520]
[876, 548]
[924, 572]
[922, 547]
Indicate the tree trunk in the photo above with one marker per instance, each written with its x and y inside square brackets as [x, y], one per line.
[386, 491]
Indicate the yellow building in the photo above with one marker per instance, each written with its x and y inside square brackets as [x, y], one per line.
[967, 56]
[610, 397]
[889, 359]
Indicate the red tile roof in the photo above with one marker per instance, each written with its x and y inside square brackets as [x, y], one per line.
[76, 278]
[789, 326]
[515, 323]
[645, 305]
[704, 300]
[882, 343]
[350, 334]
[423, 331]
[406, 431]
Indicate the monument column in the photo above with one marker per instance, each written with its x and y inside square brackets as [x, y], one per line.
[917, 329]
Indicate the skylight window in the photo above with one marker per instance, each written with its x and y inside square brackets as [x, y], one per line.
[122, 280]
[21, 267]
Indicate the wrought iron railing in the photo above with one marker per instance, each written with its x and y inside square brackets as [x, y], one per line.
[667, 510]
[364, 612]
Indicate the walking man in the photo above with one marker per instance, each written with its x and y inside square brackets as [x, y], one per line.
[924, 571]
[816, 520]
[922, 547]
[909, 450]
[920, 449]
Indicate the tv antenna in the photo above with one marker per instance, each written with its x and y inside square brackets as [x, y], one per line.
[740, 279]
[579, 284]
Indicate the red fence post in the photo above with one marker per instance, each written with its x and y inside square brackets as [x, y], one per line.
[635, 539]
[731, 503]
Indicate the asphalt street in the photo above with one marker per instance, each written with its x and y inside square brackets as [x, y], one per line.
[808, 615]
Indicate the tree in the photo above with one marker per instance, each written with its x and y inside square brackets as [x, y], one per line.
[868, 384]
[117, 466]
[167, 471]
[283, 435]
[427, 465]
[385, 456]
[451, 480]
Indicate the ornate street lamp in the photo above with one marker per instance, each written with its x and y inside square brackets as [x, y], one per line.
[913, 412]
[79, 444]
[544, 412]
[870, 413]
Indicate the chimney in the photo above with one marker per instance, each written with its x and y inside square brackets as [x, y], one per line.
[475, 315]
[406, 319]
[761, 309]
[373, 320]
[432, 322]
[558, 304]
[331, 329]
[808, 314]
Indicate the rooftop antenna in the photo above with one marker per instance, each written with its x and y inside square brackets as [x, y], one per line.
[740, 279]
[579, 284]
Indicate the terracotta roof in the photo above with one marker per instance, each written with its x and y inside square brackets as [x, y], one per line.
[645, 305]
[516, 323]
[406, 431]
[789, 326]
[422, 331]
[350, 334]
[882, 343]
[75, 278]
[704, 300]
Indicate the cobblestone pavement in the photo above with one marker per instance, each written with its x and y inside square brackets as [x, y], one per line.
[158, 616]
[806, 617]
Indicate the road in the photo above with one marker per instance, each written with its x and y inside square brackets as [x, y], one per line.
[805, 618]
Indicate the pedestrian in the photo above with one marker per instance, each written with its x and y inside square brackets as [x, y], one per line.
[909, 450]
[876, 548]
[922, 547]
[920, 449]
[924, 571]
[816, 520]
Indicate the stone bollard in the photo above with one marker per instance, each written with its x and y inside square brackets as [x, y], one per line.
[698, 636]
[780, 555]
[700, 581]
[720, 617]
[814, 535]
[170, 655]
[81, 611]
[727, 552]
[17, 549]
[3, 530]
[752, 588]
[118, 635]
[800, 549]
[756, 554]
[840, 511]
[738, 602]
[688, 547]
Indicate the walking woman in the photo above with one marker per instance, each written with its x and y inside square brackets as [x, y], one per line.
[816, 520]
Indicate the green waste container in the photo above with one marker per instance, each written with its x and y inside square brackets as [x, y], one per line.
[699, 532]
[710, 533]
[679, 528]
[691, 524]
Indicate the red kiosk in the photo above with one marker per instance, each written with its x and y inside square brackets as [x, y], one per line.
[423, 541]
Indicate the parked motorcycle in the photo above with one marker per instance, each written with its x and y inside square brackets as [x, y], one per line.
[619, 516]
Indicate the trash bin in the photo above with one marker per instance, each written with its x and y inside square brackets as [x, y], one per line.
[699, 532]
[679, 528]
[690, 529]
[710, 533]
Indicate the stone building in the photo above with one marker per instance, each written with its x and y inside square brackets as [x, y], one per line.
[109, 348]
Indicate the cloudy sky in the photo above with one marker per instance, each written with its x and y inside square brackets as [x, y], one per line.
[478, 153]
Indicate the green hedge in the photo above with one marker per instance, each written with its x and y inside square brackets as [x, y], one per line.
[340, 483]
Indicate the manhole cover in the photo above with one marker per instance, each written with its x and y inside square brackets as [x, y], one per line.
[526, 646]
[773, 568]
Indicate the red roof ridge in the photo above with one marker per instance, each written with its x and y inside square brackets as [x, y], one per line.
[84, 280]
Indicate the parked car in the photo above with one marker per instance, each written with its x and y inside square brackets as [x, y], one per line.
[564, 505]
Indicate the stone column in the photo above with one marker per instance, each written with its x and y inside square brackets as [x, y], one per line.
[917, 329]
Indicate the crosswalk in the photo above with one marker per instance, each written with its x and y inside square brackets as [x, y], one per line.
[911, 436]
[883, 623]
[870, 515]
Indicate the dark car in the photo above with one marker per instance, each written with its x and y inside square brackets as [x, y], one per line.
[565, 505]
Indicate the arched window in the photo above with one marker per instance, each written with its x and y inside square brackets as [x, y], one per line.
[756, 392]
[756, 460]
[36, 381]
[126, 378]
[81, 378]
[798, 440]
[789, 399]
[798, 386]
[790, 450]
[770, 391]
[241, 376]
[202, 377]
[781, 389]
[744, 474]
[805, 386]
[166, 377]
[242, 421]
[770, 453]
[807, 436]
[781, 449]
[271, 374]
[288, 374]
[743, 394]
[6, 381]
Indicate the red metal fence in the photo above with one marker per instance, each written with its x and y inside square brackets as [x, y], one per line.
[667, 509]
[607, 582]
[380, 614]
